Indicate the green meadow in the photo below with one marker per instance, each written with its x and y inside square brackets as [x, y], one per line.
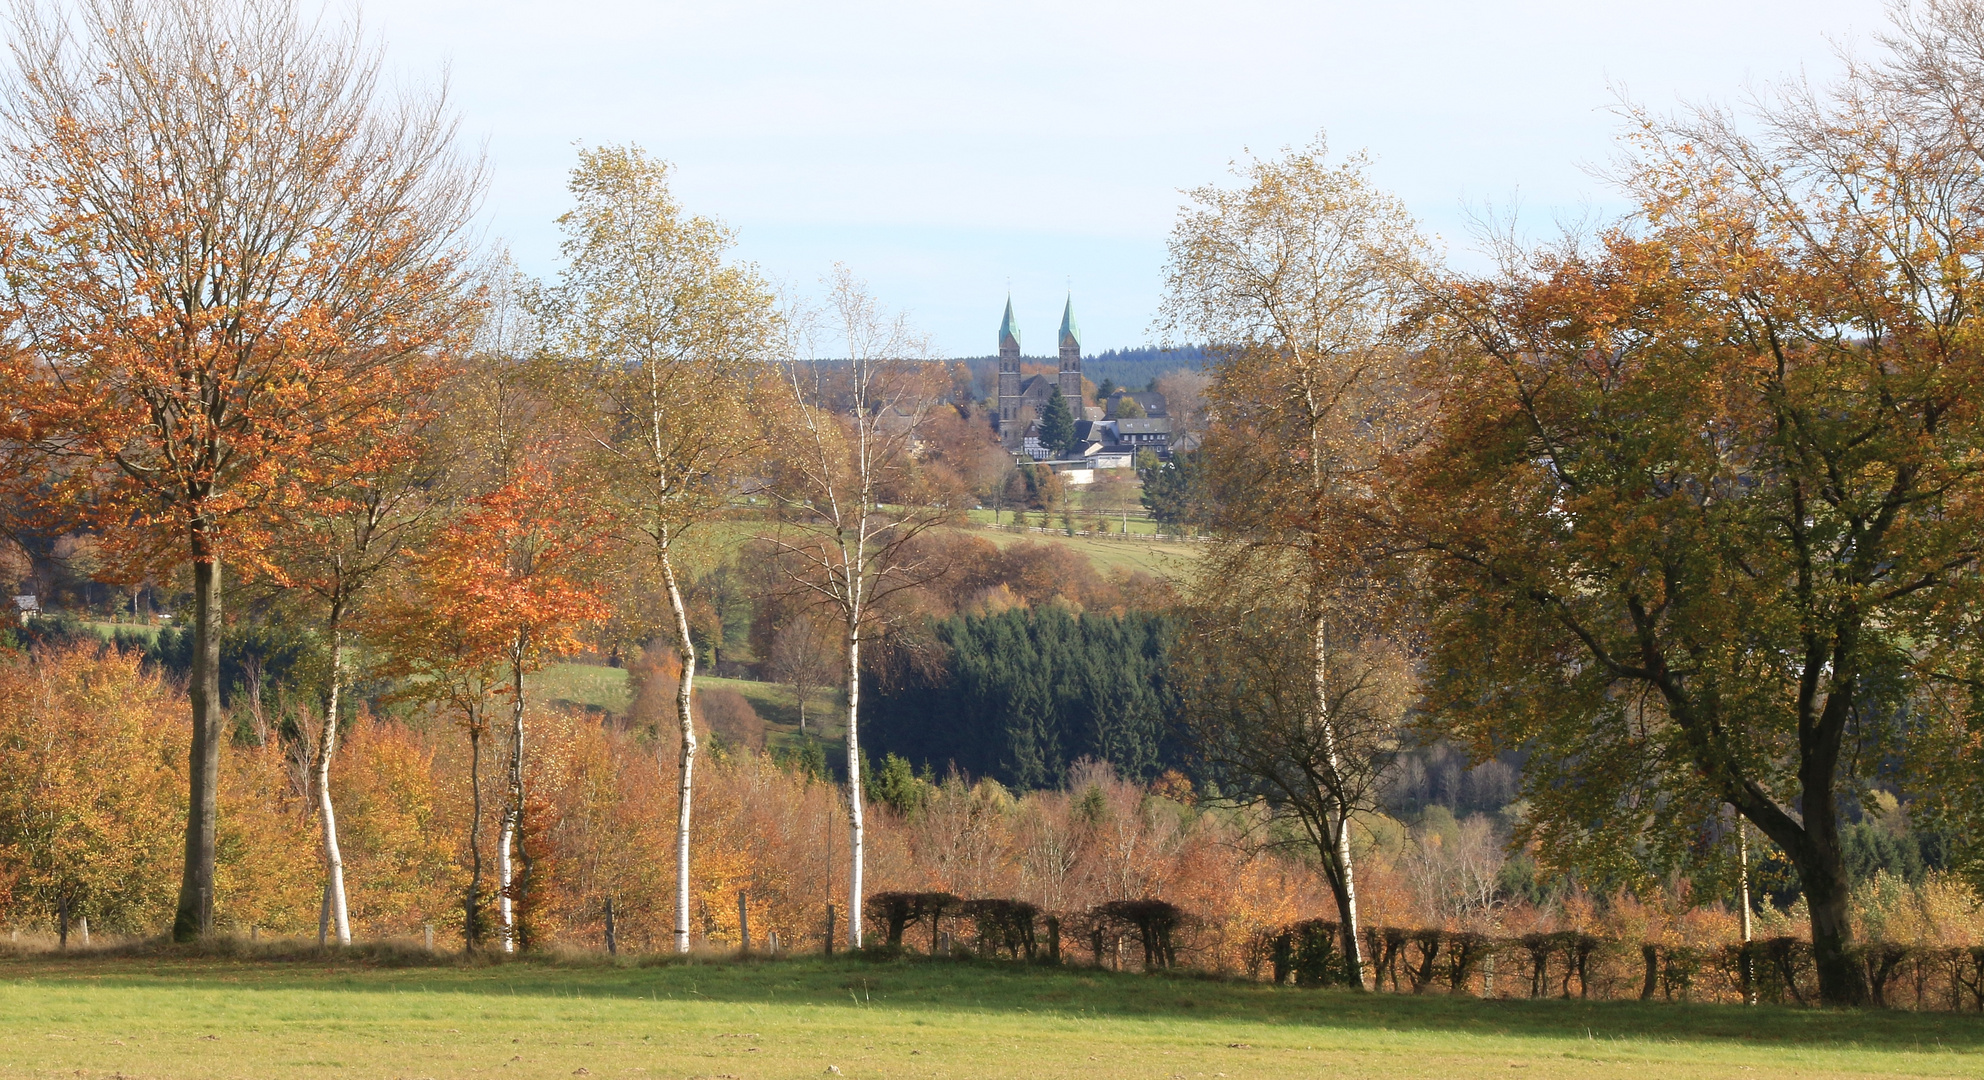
[317, 1016]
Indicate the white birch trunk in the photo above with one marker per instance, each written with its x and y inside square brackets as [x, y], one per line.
[512, 826]
[1355, 955]
[1743, 862]
[854, 816]
[684, 713]
[326, 747]
[505, 909]
[1347, 901]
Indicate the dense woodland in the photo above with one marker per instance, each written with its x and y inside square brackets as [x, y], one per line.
[1133, 369]
[1608, 617]
[1024, 695]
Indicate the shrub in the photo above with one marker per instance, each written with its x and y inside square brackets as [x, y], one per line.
[729, 714]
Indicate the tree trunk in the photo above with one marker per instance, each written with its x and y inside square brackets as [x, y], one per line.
[854, 816]
[1344, 881]
[1747, 971]
[1821, 862]
[506, 909]
[472, 903]
[326, 746]
[1346, 902]
[685, 715]
[195, 915]
[516, 886]
[516, 882]
[1828, 893]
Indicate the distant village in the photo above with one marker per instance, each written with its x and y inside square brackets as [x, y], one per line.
[1050, 420]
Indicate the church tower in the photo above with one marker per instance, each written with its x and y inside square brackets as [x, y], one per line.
[1071, 359]
[1009, 366]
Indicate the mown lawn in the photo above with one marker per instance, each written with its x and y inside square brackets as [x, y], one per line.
[902, 1018]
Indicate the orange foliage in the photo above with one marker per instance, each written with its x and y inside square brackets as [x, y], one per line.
[503, 584]
[92, 788]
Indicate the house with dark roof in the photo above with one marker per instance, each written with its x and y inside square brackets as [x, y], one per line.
[1104, 445]
[1150, 401]
[1149, 433]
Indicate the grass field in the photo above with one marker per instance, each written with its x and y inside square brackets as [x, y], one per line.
[898, 1018]
[1140, 522]
[606, 688]
[591, 685]
[1163, 558]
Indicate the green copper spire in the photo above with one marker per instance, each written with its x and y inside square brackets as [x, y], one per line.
[1070, 333]
[1008, 328]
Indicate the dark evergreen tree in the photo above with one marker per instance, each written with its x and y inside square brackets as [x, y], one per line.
[1171, 487]
[1057, 426]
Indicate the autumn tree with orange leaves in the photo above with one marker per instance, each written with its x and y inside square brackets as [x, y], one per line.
[227, 248]
[1707, 494]
[498, 591]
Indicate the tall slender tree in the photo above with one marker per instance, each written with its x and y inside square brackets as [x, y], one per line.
[1300, 274]
[441, 650]
[348, 535]
[225, 244]
[847, 499]
[502, 588]
[660, 346]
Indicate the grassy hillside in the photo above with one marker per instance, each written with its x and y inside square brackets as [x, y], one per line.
[1163, 558]
[593, 686]
[905, 1018]
[596, 686]
[1134, 552]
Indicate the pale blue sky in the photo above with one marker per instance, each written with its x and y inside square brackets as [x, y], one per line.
[944, 150]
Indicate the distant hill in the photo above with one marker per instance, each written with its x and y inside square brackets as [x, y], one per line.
[1133, 368]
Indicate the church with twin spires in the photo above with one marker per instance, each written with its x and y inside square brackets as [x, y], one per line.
[1021, 402]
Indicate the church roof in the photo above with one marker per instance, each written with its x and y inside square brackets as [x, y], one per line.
[1069, 331]
[1038, 387]
[1008, 328]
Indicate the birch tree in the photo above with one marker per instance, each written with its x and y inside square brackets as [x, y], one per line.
[225, 244]
[847, 498]
[1296, 279]
[660, 347]
[353, 534]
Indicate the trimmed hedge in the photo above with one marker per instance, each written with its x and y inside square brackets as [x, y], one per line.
[1562, 964]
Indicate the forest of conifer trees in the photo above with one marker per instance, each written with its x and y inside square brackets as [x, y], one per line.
[1023, 695]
